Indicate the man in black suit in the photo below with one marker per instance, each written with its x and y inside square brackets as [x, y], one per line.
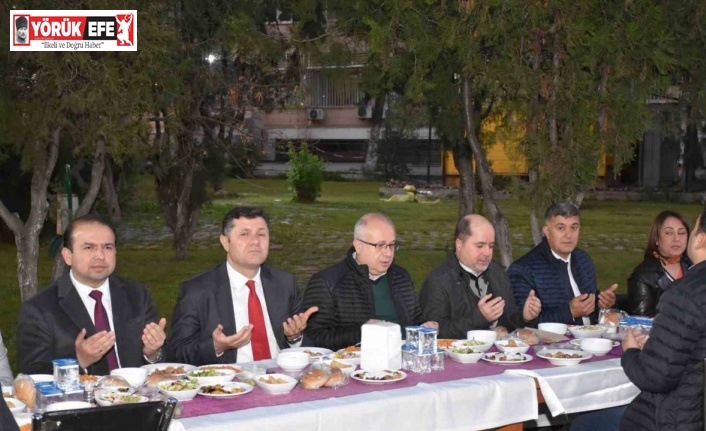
[220, 314]
[89, 314]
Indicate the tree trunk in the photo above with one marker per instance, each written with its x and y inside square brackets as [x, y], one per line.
[467, 185]
[110, 195]
[44, 155]
[502, 231]
[88, 200]
[535, 225]
[371, 155]
[175, 190]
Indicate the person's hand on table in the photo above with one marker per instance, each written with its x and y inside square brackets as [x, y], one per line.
[582, 305]
[606, 298]
[491, 309]
[532, 307]
[223, 342]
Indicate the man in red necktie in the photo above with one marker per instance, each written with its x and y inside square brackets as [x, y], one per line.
[89, 313]
[243, 309]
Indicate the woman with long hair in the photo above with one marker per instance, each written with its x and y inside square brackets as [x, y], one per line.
[665, 261]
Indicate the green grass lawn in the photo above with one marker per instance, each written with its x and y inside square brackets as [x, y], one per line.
[307, 238]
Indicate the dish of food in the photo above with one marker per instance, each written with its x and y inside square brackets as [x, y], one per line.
[276, 384]
[227, 390]
[577, 342]
[179, 385]
[14, 405]
[115, 398]
[507, 358]
[176, 370]
[83, 378]
[444, 343]
[379, 377]
[475, 344]
[350, 352]
[224, 367]
[563, 357]
[315, 353]
[182, 390]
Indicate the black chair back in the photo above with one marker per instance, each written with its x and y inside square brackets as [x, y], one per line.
[150, 416]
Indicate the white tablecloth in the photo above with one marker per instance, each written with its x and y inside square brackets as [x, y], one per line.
[591, 386]
[466, 404]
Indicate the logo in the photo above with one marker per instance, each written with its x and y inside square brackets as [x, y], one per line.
[73, 30]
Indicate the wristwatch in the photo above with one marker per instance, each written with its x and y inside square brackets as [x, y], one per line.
[296, 339]
[159, 357]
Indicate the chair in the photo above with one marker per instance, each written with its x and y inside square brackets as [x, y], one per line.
[150, 416]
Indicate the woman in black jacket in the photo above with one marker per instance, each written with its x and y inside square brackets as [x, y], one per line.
[665, 261]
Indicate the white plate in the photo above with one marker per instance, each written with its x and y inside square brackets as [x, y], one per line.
[229, 386]
[564, 361]
[17, 405]
[372, 375]
[7, 391]
[320, 351]
[164, 365]
[494, 360]
[38, 378]
[577, 342]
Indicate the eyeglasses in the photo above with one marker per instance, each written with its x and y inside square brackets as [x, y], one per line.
[380, 247]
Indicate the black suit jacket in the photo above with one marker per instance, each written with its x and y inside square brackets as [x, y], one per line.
[446, 298]
[50, 321]
[206, 300]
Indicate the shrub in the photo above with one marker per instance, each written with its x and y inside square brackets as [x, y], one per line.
[305, 174]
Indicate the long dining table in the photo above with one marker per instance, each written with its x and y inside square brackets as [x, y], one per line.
[461, 397]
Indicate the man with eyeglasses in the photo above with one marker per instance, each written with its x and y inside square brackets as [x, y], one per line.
[364, 287]
[469, 291]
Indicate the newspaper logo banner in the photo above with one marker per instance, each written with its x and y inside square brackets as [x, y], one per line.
[73, 30]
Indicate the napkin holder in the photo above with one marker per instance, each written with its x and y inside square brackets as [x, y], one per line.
[380, 346]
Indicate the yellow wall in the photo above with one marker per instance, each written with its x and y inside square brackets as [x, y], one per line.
[504, 156]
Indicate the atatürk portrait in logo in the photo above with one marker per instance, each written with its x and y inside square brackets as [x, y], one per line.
[21, 30]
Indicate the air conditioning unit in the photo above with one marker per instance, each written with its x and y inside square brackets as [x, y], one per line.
[365, 112]
[316, 114]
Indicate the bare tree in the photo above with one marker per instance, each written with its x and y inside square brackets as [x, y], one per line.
[44, 154]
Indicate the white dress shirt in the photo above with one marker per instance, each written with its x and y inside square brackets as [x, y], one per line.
[574, 286]
[84, 292]
[240, 293]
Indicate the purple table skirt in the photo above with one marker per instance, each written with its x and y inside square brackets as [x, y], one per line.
[453, 370]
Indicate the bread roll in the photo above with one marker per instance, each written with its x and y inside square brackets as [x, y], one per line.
[25, 390]
[157, 377]
[528, 336]
[337, 379]
[612, 318]
[112, 382]
[501, 331]
[314, 379]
